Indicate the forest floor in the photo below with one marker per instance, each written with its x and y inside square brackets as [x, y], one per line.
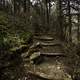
[54, 62]
[41, 58]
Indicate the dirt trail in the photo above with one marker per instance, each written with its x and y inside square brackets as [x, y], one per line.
[52, 67]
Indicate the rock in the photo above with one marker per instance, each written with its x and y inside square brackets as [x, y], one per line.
[36, 58]
[44, 38]
[19, 49]
[34, 55]
[31, 51]
[37, 45]
[24, 55]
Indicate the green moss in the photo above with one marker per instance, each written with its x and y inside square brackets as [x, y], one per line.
[3, 20]
[26, 36]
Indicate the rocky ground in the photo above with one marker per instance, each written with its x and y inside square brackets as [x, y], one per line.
[46, 59]
[51, 60]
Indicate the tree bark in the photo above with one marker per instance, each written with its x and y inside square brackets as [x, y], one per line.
[78, 33]
[70, 22]
[60, 18]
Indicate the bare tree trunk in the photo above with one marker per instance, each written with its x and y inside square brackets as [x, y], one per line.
[27, 12]
[49, 7]
[70, 21]
[47, 16]
[47, 13]
[60, 18]
[14, 12]
[3, 4]
[24, 6]
[78, 33]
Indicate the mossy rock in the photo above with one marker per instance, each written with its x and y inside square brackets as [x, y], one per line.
[36, 58]
[34, 55]
[31, 51]
[27, 37]
[19, 49]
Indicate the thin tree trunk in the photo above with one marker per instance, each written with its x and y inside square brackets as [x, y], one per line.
[47, 11]
[49, 7]
[24, 6]
[47, 16]
[60, 18]
[70, 22]
[14, 11]
[78, 28]
[3, 4]
[78, 33]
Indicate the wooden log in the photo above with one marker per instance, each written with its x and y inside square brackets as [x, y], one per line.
[50, 44]
[53, 54]
[38, 76]
[44, 38]
[20, 49]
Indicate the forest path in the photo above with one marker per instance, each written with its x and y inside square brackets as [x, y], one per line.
[50, 64]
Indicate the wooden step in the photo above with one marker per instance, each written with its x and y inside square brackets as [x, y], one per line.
[53, 54]
[50, 44]
[44, 38]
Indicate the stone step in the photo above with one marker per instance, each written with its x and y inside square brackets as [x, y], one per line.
[44, 38]
[24, 55]
[53, 54]
[50, 44]
[41, 44]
